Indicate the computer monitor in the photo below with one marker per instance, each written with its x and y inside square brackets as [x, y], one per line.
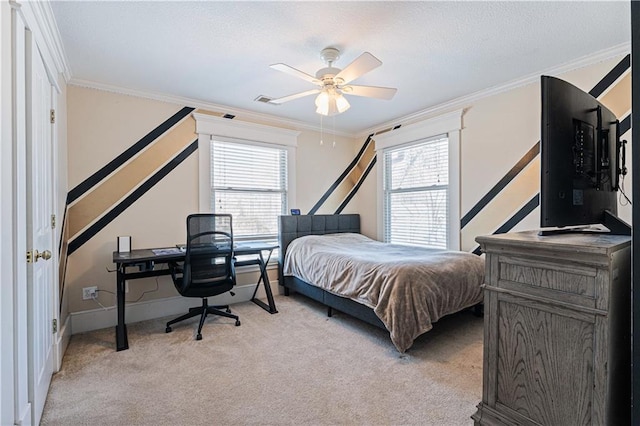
[581, 161]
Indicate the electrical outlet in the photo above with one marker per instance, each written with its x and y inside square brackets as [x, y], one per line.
[89, 293]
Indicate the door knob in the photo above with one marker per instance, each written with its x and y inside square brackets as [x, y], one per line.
[46, 255]
[33, 256]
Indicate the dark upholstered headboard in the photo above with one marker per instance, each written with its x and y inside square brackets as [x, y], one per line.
[292, 227]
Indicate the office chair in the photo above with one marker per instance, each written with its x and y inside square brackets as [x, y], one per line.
[208, 268]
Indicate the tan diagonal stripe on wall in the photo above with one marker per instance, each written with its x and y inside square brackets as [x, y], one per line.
[618, 98]
[120, 183]
[348, 183]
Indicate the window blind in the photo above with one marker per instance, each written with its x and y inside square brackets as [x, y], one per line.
[249, 182]
[416, 188]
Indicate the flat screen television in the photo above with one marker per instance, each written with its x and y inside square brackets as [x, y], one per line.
[582, 159]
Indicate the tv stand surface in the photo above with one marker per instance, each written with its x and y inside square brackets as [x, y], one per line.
[571, 230]
[613, 224]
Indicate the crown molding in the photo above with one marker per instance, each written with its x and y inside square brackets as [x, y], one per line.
[39, 17]
[464, 101]
[245, 115]
[53, 39]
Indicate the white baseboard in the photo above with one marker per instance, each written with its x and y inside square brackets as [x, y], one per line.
[96, 319]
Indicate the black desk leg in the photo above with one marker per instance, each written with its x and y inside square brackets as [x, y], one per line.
[264, 277]
[122, 342]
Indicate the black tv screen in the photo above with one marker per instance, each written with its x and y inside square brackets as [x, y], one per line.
[580, 162]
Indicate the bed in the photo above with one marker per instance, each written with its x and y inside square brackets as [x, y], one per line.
[398, 288]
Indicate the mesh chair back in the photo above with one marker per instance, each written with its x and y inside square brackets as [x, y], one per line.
[209, 255]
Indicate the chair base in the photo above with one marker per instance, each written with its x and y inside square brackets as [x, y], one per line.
[203, 311]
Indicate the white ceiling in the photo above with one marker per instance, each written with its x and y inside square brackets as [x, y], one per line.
[434, 52]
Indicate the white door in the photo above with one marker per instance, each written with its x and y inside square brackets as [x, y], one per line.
[40, 236]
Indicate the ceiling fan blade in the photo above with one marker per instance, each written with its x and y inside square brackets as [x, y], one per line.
[361, 65]
[296, 73]
[370, 91]
[294, 96]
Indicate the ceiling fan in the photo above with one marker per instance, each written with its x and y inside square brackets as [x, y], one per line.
[334, 82]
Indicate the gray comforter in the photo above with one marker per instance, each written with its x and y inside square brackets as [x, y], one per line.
[408, 287]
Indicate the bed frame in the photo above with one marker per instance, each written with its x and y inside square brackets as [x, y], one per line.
[292, 227]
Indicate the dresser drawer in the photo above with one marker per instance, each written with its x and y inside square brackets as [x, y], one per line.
[569, 283]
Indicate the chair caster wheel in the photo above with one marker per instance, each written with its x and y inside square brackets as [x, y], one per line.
[167, 330]
[237, 323]
[199, 336]
[228, 310]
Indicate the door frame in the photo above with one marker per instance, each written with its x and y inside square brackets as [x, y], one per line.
[7, 305]
[15, 20]
[23, 410]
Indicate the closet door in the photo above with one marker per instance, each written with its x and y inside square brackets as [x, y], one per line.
[40, 235]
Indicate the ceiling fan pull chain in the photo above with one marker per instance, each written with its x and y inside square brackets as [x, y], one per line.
[333, 117]
[321, 141]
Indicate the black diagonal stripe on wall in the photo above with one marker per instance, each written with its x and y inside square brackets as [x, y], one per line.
[62, 231]
[611, 76]
[338, 181]
[105, 171]
[63, 284]
[493, 192]
[66, 258]
[355, 188]
[625, 125]
[131, 198]
[516, 218]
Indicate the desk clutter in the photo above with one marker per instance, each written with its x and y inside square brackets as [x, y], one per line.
[170, 250]
[124, 244]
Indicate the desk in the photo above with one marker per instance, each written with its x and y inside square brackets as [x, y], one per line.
[146, 260]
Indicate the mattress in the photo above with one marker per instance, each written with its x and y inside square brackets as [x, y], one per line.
[409, 288]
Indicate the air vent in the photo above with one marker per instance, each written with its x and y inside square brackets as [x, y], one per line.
[263, 99]
[229, 116]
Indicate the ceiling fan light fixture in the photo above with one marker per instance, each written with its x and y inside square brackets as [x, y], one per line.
[322, 103]
[341, 103]
[322, 99]
[330, 103]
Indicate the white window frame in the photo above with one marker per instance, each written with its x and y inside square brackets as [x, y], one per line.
[209, 127]
[447, 124]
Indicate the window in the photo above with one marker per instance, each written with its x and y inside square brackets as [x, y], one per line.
[419, 184]
[416, 179]
[250, 182]
[248, 170]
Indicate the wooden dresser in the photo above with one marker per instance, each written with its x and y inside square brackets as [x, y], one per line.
[557, 330]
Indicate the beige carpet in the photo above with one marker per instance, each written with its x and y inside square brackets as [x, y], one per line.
[297, 367]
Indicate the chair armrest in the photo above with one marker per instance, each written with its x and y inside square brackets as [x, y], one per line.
[233, 269]
[175, 268]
